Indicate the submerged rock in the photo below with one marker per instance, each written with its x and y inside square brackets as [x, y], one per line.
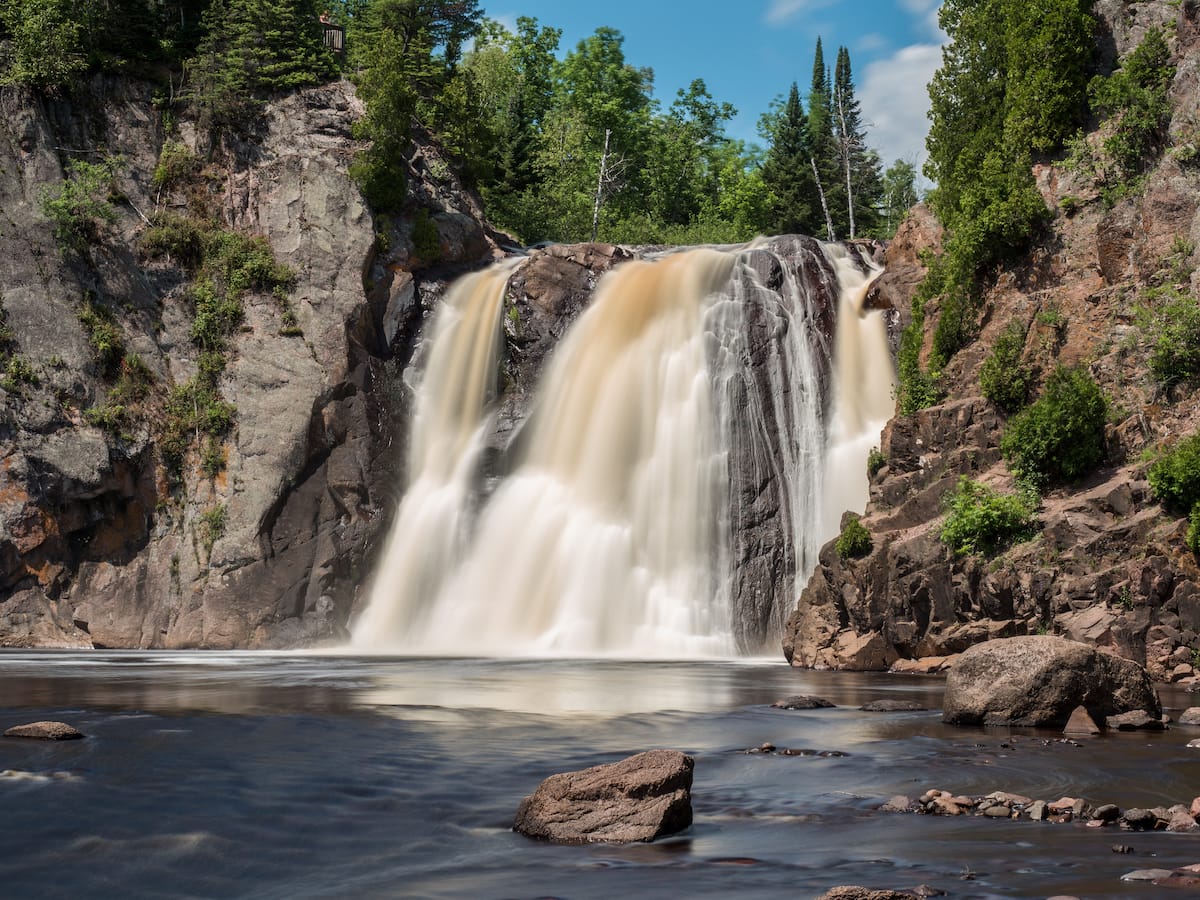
[639, 798]
[1136, 720]
[45, 731]
[802, 701]
[1039, 680]
[855, 892]
[893, 706]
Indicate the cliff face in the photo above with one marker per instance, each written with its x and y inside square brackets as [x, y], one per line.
[1109, 565]
[100, 544]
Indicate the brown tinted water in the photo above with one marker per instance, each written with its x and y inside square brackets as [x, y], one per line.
[256, 775]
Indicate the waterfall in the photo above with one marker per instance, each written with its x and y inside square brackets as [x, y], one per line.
[668, 497]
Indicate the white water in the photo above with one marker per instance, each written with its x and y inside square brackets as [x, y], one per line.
[612, 535]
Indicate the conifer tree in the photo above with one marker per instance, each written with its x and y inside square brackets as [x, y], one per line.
[787, 173]
[858, 165]
[252, 48]
[823, 143]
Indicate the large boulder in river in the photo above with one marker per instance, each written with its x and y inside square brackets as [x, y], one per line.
[1039, 680]
[637, 799]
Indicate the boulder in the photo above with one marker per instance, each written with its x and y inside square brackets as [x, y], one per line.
[1081, 723]
[1038, 681]
[639, 798]
[1190, 716]
[1135, 720]
[45, 731]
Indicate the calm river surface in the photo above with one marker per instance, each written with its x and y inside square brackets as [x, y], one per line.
[271, 775]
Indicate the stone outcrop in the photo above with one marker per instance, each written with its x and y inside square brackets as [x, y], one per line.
[1040, 681]
[639, 798]
[1108, 566]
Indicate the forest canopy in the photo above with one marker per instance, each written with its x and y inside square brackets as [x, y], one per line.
[562, 143]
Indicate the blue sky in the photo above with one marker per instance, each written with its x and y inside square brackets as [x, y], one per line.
[751, 51]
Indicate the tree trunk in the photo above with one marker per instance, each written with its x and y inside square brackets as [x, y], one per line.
[846, 144]
[600, 187]
[824, 205]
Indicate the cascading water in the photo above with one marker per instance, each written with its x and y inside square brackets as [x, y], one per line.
[634, 513]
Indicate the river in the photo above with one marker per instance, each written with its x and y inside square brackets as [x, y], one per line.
[295, 776]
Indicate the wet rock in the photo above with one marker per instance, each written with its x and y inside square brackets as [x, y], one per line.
[1190, 716]
[893, 706]
[854, 892]
[1108, 812]
[803, 701]
[1194, 744]
[1180, 818]
[1039, 680]
[639, 798]
[1121, 848]
[899, 803]
[1081, 723]
[1147, 875]
[1037, 811]
[998, 812]
[1139, 819]
[1135, 720]
[45, 731]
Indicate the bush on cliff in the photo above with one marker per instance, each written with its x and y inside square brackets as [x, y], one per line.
[982, 520]
[1175, 475]
[1061, 436]
[1003, 378]
[854, 541]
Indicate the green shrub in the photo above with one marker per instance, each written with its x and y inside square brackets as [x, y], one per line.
[427, 242]
[175, 237]
[79, 207]
[875, 461]
[16, 373]
[855, 540]
[1003, 378]
[217, 315]
[104, 336]
[1192, 539]
[1172, 325]
[1175, 475]
[176, 162]
[6, 332]
[1135, 99]
[1061, 436]
[212, 527]
[982, 520]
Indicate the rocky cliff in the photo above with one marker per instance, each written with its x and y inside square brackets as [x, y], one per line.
[259, 534]
[1109, 565]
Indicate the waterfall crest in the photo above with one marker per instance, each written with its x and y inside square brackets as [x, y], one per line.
[668, 489]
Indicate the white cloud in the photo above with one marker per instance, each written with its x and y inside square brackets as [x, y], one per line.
[782, 10]
[895, 101]
[868, 43]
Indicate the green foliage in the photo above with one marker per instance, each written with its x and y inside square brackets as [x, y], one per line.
[1004, 379]
[80, 206]
[176, 162]
[1192, 538]
[104, 336]
[1175, 475]
[918, 388]
[6, 332]
[178, 238]
[1170, 319]
[47, 43]
[899, 196]
[854, 541]
[119, 412]
[875, 461]
[252, 48]
[1061, 436]
[1012, 85]
[982, 520]
[212, 457]
[16, 373]
[212, 527]
[1135, 101]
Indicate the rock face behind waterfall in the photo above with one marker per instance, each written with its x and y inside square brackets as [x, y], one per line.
[1109, 565]
[1040, 680]
[98, 546]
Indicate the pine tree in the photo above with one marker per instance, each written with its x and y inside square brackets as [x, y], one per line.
[252, 48]
[787, 173]
[823, 143]
[858, 165]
